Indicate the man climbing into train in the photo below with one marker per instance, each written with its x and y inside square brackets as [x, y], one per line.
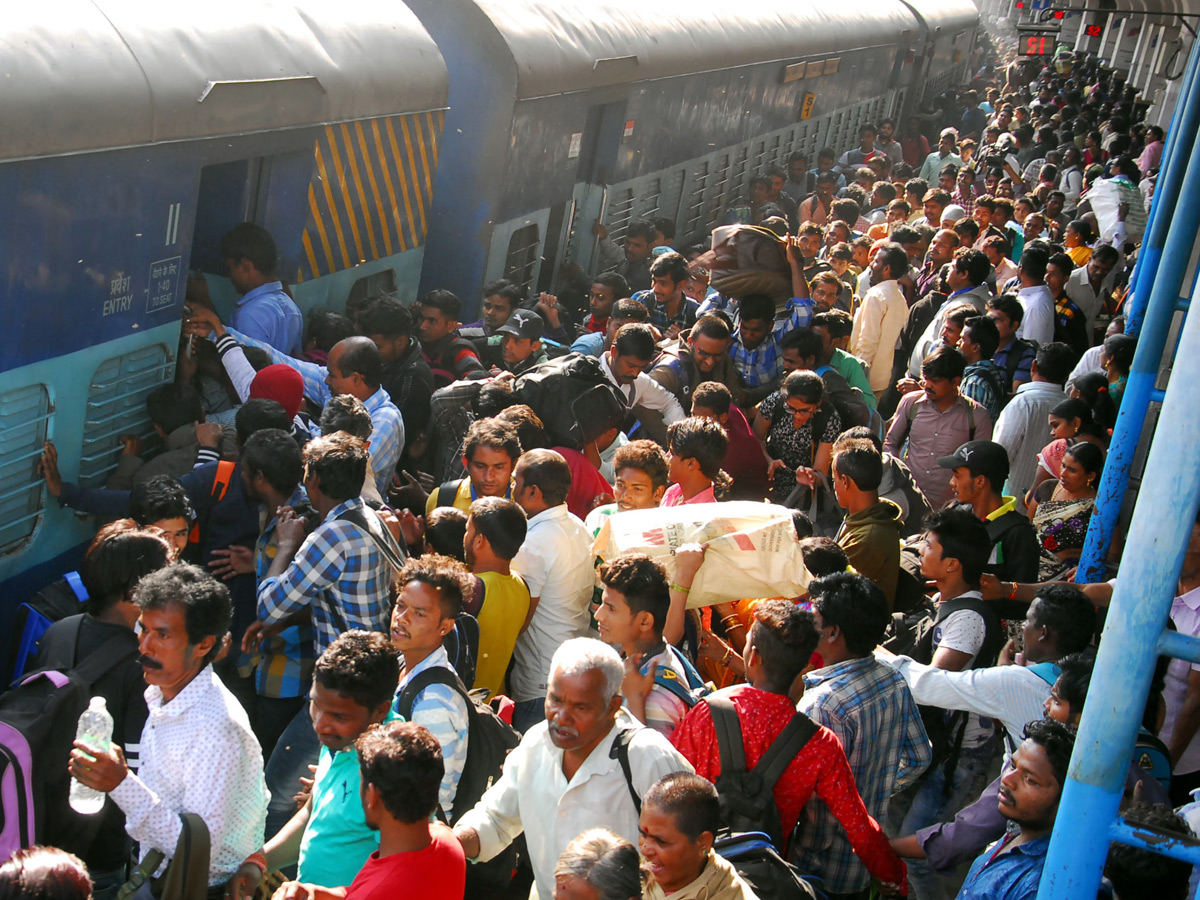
[265, 312]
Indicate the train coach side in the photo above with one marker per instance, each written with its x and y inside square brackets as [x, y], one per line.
[135, 136]
[562, 113]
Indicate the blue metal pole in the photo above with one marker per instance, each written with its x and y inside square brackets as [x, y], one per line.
[1177, 232]
[1180, 135]
[1141, 603]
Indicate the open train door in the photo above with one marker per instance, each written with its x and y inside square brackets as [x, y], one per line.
[570, 239]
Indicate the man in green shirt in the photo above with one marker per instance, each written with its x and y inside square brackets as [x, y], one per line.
[328, 839]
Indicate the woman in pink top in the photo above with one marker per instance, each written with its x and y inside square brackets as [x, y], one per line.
[696, 448]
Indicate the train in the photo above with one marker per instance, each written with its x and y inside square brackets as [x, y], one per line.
[387, 147]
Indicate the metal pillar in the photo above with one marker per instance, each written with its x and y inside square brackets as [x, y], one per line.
[1138, 615]
[1136, 59]
[1084, 21]
[1121, 26]
[1164, 256]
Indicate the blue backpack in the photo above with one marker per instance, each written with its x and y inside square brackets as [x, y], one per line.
[691, 690]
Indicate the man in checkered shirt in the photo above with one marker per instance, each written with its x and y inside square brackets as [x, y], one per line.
[338, 570]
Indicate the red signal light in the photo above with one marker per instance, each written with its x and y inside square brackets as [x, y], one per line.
[1020, 4]
[1058, 14]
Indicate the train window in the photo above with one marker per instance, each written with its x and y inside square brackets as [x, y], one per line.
[383, 282]
[651, 199]
[116, 405]
[672, 196]
[693, 210]
[523, 248]
[23, 417]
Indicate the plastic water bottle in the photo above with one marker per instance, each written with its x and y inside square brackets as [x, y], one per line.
[95, 729]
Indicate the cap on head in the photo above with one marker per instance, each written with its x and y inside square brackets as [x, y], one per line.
[953, 213]
[280, 383]
[523, 323]
[985, 458]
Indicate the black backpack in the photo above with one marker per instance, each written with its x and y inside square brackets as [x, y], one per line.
[550, 389]
[747, 798]
[38, 721]
[747, 801]
[911, 634]
[489, 738]
[489, 741]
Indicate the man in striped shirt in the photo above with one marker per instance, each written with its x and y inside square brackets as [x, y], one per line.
[431, 597]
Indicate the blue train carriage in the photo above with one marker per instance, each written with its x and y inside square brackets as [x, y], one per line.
[135, 135]
[565, 112]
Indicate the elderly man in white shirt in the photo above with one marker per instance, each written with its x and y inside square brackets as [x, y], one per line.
[198, 753]
[555, 561]
[566, 775]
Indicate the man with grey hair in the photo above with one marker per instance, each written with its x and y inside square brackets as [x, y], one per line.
[566, 775]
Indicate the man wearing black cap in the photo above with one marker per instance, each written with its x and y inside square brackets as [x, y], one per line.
[520, 343]
[978, 471]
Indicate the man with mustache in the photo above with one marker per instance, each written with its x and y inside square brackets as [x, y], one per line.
[184, 616]
[1029, 797]
[566, 774]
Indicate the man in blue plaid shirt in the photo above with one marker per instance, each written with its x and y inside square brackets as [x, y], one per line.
[338, 571]
[872, 713]
[354, 367]
[755, 349]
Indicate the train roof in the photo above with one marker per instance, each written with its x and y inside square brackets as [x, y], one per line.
[947, 16]
[83, 75]
[561, 46]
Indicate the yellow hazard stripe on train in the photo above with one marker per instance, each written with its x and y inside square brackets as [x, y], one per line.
[369, 196]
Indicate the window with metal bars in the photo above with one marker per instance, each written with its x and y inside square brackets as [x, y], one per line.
[116, 405]
[24, 414]
[523, 248]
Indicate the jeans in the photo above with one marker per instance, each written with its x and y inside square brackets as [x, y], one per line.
[528, 713]
[931, 805]
[296, 750]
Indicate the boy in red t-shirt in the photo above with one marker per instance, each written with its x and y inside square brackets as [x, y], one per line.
[401, 765]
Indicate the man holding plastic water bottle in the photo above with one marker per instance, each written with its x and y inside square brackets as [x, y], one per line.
[198, 753]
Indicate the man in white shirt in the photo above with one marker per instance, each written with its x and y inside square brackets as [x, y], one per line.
[198, 753]
[566, 775]
[556, 563]
[1091, 285]
[1061, 621]
[881, 318]
[1023, 428]
[1035, 297]
[625, 365]
[1092, 361]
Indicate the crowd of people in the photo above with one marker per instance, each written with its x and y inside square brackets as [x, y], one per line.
[370, 543]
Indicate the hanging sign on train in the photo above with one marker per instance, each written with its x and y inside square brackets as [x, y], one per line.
[806, 106]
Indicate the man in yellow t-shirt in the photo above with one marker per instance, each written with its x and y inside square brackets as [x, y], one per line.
[490, 454]
[495, 531]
